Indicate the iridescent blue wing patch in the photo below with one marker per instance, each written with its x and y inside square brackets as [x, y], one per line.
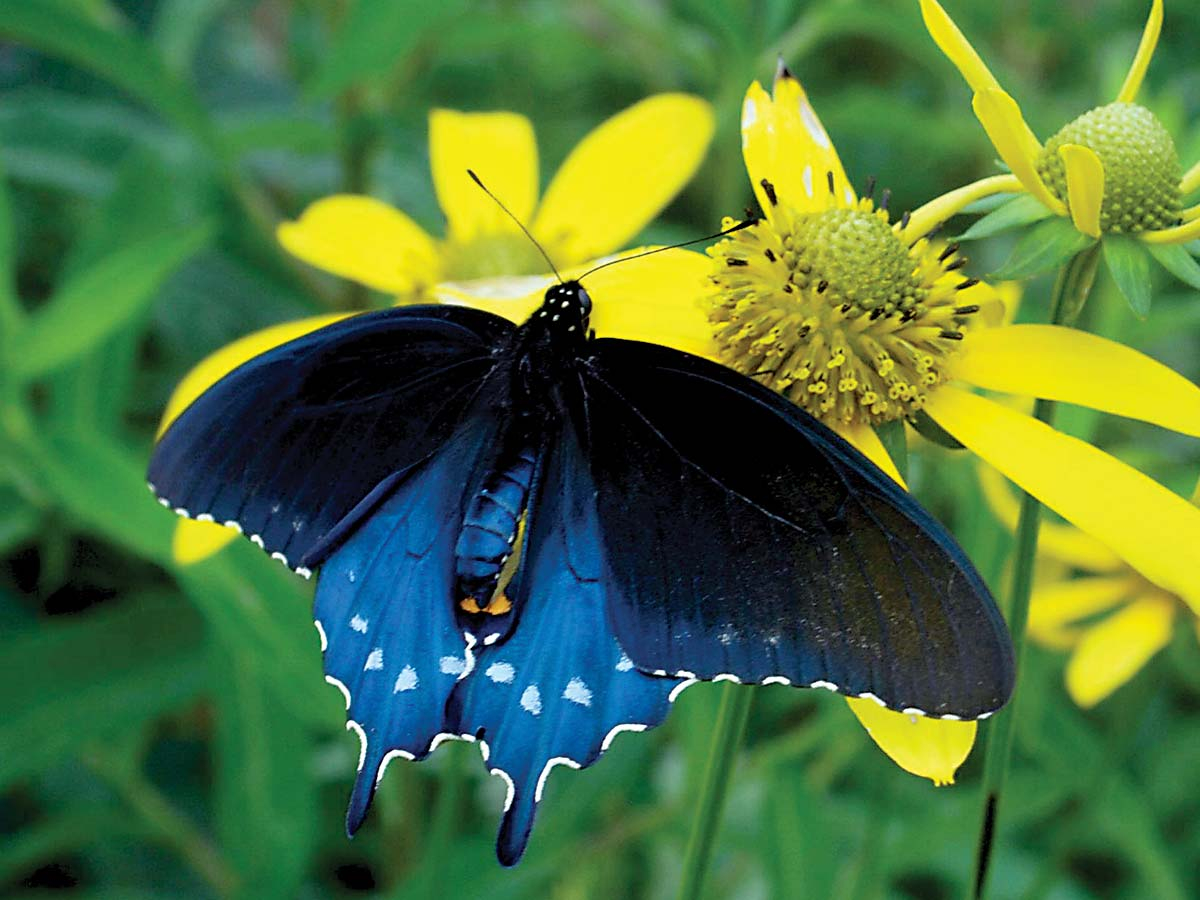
[559, 688]
[295, 445]
[770, 550]
[386, 613]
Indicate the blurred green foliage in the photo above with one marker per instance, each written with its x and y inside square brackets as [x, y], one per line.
[166, 732]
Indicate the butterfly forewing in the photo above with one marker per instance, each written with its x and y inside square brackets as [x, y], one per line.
[745, 538]
[296, 444]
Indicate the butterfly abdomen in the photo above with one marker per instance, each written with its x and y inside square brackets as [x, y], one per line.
[490, 528]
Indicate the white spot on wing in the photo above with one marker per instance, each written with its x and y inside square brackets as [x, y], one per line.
[341, 687]
[407, 680]
[321, 631]
[630, 726]
[452, 665]
[531, 700]
[351, 725]
[776, 679]
[501, 672]
[550, 764]
[679, 689]
[359, 624]
[512, 788]
[387, 758]
[624, 664]
[374, 660]
[578, 692]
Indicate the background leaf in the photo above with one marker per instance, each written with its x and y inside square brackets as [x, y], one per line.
[1129, 264]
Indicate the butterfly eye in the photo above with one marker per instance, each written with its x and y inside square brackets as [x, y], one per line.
[585, 301]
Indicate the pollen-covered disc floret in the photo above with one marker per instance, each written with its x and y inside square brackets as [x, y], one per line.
[839, 310]
[1141, 166]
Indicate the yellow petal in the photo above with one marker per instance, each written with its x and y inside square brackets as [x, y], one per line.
[622, 175]
[956, 47]
[805, 168]
[1016, 144]
[1180, 234]
[657, 299]
[514, 297]
[1085, 186]
[1114, 650]
[1076, 367]
[500, 148]
[1145, 50]
[217, 365]
[867, 442]
[933, 213]
[365, 240]
[758, 153]
[1155, 531]
[195, 541]
[931, 748]
[1063, 543]
[1190, 180]
[1061, 603]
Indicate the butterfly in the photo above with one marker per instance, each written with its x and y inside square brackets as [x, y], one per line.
[533, 538]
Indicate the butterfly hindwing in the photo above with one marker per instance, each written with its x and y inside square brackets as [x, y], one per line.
[745, 538]
[385, 606]
[294, 445]
[558, 689]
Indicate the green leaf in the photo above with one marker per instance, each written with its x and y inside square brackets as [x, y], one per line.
[1176, 260]
[375, 38]
[895, 442]
[1044, 247]
[1021, 210]
[96, 676]
[1129, 264]
[118, 56]
[988, 204]
[265, 794]
[11, 313]
[98, 301]
[925, 426]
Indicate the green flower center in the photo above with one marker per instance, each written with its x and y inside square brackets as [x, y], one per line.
[1141, 166]
[491, 255]
[838, 312]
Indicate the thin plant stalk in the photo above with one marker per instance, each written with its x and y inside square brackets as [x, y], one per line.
[1071, 290]
[722, 757]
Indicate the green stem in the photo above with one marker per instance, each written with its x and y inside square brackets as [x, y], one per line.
[727, 739]
[1071, 290]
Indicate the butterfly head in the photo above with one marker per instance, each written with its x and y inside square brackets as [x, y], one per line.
[566, 309]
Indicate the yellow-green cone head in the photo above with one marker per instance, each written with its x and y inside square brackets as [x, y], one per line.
[839, 311]
[1141, 166]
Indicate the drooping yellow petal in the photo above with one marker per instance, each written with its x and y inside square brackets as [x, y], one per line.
[867, 442]
[806, 170]
[1063, 603]
[1114, 650]
[1063, 543]
[217, 365]
[758, 153]
[956, 46]
[621, 175]
[365, 240]
[500, 148]
[1014, 141]
[1180, 234]
[1076, 367]
[195, 541]
[657, 299]
[931, 748]
[1085, 186]
[1190, 180]
[1155, 531]
[938, 210]
[1064, 364]
[1145, 50]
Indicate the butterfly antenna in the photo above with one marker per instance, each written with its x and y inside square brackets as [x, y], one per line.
[745, 223]
[520, 224]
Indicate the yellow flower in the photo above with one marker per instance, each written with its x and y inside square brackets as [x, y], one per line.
[606, 191]
[863, 322]
[1111, 617]
[1113, 171]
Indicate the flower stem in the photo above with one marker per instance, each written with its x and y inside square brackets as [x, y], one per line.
[727, 739]
[1071, 290]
